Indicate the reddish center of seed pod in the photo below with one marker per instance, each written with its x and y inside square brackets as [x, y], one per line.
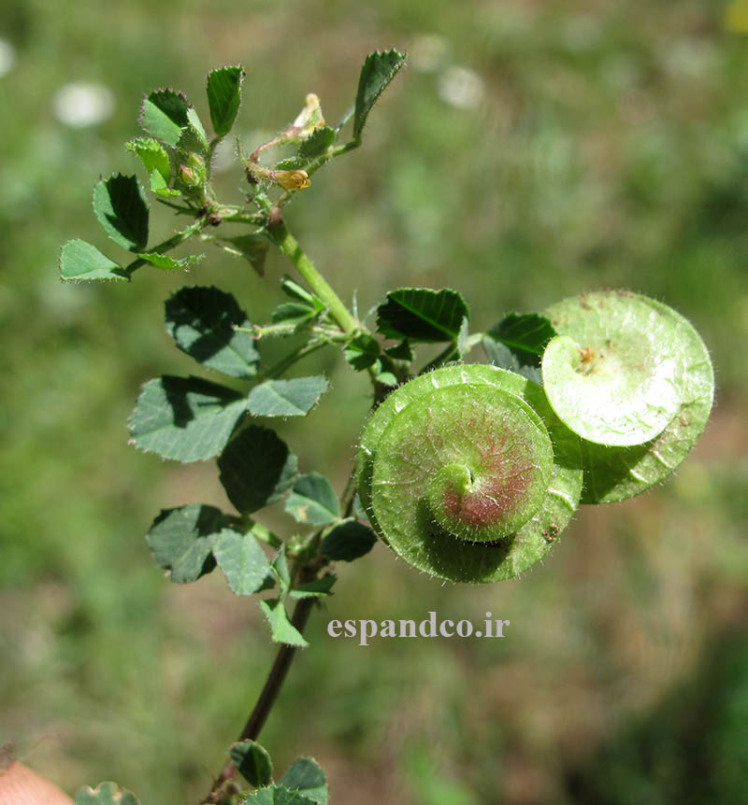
[484, 498]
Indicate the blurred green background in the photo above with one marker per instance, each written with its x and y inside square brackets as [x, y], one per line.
[530, 151]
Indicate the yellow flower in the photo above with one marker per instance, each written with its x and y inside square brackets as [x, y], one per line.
[291, 180]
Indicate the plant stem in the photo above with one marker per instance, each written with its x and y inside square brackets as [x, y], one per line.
[294, 357]
[169, 243]
[289, 246]
[266, 699]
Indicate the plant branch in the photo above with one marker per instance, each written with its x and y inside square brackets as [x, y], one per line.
[286, 363]
[289, 246]
[169, 243]
[266, 699]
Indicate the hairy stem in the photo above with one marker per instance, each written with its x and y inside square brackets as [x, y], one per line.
[289, 246]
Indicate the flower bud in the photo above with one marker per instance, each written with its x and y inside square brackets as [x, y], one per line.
[291, 180]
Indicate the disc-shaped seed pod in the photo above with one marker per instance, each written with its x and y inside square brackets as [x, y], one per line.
[467, 474]
[632, 378]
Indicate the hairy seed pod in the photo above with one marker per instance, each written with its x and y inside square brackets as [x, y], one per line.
[467, 474]
[634, 380]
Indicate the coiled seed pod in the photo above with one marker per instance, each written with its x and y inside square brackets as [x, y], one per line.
[467, 473]
[634, 380]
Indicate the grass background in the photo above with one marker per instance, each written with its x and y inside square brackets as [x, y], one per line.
[609, 148]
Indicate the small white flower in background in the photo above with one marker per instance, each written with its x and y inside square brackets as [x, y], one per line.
[7, 57]
[461, 87]
[428, 53]
[82, 104]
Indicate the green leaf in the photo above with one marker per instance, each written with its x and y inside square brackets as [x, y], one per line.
[294, 397]
[202, 321]
[224, 97]
[385, 376]
[278, 795]
[421, 314]
[306, 777]
[315, 589]
[524, 333]
[195, 132]
[186, 419]
[293, 313]
[83, 262]
[105, 794]
[242, 560]
[300, 294]
[160, 186]
[181, 540]
[164, 261]
[362, 351]
[282, 630]
[313, 500]
[253, 248]
[378, 70]
[281, 571]
[153, 156]
[291, 163]
[317, 142]
[500, 355]
[348, 541]
[164, 116]
[517, 343]
[304, 307]
[400, 352]
[120, 205]
[257, 468]
[253, 762]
